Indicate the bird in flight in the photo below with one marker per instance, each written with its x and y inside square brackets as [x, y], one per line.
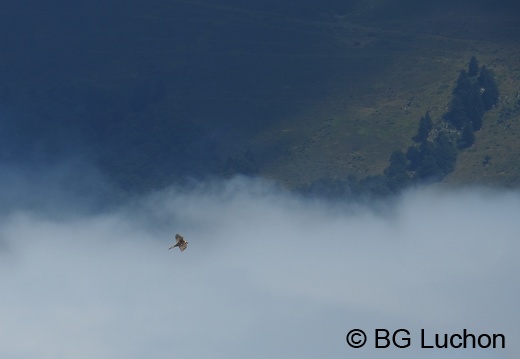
[181, 243]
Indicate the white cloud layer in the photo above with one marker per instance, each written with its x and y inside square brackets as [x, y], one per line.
[266, 275]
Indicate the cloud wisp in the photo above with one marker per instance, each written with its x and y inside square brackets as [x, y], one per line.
[266, 274]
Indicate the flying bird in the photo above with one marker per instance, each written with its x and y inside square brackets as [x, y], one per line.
[181, 243]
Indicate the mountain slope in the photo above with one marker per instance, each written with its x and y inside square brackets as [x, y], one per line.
[414, 64]
[154, 93]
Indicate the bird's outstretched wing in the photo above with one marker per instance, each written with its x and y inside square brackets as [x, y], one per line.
[179, 238]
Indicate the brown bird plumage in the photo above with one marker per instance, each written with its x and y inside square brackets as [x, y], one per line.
[181, 243]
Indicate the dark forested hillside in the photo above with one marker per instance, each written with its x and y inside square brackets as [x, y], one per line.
[154, 92]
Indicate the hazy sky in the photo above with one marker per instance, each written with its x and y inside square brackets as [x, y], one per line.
[266, 275]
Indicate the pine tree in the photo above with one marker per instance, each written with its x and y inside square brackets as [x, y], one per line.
[463, 83]
[475, 107]
[425, 126]
[445, 153]
[490, 93]
[466, 104]
[398, 164]
[457, 114]
[414, 156]
[473, 67]
[467, 137]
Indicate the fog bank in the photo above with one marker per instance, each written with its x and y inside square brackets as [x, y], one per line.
[266, 274]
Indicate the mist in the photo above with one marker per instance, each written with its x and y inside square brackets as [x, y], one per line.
[266, 274]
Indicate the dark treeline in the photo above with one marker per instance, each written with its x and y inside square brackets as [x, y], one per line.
[435, 147]
[475, 93]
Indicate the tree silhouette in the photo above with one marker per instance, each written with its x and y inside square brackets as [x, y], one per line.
[396, 173]
[413, 155]
[457, 114]
[466, 104]
[490, 93]
[425, 126]
[473, 67]
[467, 137]
[445, 153]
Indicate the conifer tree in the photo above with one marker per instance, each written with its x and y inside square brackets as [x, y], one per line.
[490, 93]
[467, 137]
[473, 67]
[445, 153]
[425, 126]
[457, 115]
